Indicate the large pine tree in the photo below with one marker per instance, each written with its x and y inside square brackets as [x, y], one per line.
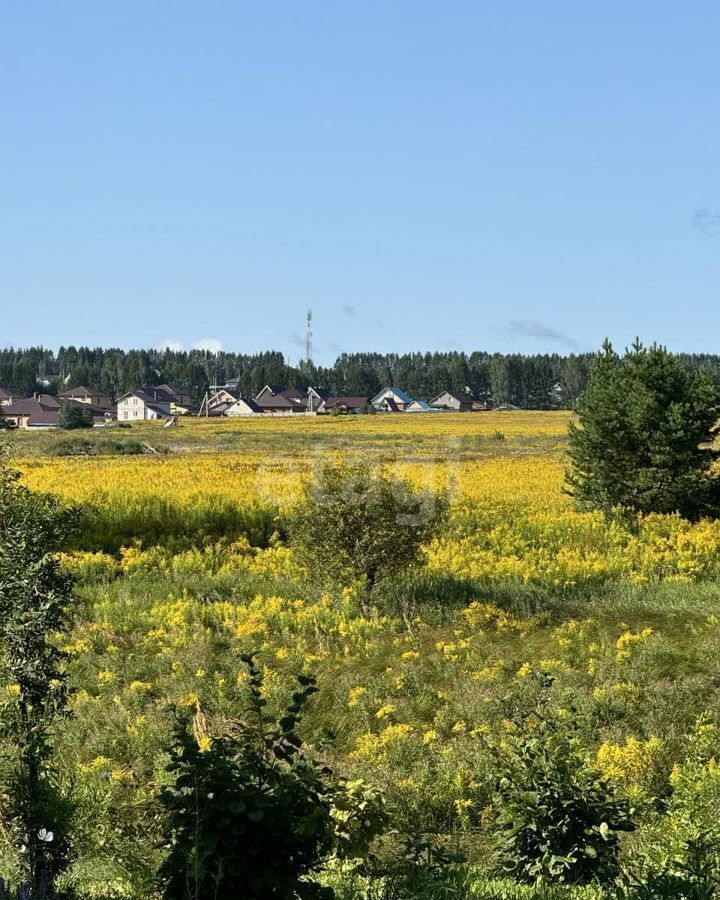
[644, 436]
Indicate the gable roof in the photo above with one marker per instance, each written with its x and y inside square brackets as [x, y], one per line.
[37, 411]
[350, 402]
[460, 396]
[149, 396]
[9, 395]
[79, 391]
[273, 389]
[276, 401]
[422, 406]
[248, 401]
[173, 391]
[322, 393]
[398, 394]
[293, 393]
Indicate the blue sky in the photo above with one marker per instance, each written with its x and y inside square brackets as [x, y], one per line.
[513, 176]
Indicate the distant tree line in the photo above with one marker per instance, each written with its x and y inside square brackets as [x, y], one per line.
[540, 381]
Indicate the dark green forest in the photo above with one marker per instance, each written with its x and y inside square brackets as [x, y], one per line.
[530, 382]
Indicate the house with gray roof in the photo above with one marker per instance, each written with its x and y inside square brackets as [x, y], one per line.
[455, 400]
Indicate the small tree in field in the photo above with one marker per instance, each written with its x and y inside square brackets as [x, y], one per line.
[356, 525]
[34, 601]
[75, 415]
[643, 441]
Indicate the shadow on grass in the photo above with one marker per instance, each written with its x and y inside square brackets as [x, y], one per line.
[437, 595]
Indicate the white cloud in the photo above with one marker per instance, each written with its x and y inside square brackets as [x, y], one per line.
[212, 345]
[170, 344]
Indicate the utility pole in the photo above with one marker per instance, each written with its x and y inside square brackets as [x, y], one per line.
[308, 338]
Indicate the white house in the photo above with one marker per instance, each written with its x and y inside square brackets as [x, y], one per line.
[140, 404]
[391, 399]
[243, 406]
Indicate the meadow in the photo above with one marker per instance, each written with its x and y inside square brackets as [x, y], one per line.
[523, 604]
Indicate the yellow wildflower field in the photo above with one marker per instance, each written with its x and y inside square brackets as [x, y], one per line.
[504, 473]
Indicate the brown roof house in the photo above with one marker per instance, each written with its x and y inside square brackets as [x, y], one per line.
[346, 405]
[276, 400]
[456, 400]
[7, 397]
[87, 395]
[40, 411]
[181, 402]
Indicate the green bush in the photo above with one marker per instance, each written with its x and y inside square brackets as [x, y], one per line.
[249, 815]
[557, 819]
[361, 526]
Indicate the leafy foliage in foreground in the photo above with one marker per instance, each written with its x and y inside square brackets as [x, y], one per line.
[35, 596]
[558, 819]
[249, 813]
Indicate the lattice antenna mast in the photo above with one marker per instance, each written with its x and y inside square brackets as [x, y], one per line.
[308, 338]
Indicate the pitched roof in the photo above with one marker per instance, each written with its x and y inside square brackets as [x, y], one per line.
[149, 396]
[79, 391]
[248, 401]
[460, 396]
[38, 412]
[421, 406]
[273, 388]
[323, 393]
[351, 402]
[8, 395]
[173, 391]
[390, 404]
[399, 394]
[50, 401]
[275, 402]
[293, 393]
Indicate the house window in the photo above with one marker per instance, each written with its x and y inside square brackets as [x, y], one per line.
[125, 414]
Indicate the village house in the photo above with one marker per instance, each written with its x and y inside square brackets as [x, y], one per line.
[316, 400]
[391, 399]
[243, 406]
[181, 402]
[421, 406]
[217, 401]
[8, 397]
[143, 403]
[40, 411]
[458, 401]
[277, 400]
[346, 405]
[85, 395]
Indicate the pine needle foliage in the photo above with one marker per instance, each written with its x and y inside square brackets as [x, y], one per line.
[643, 439]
